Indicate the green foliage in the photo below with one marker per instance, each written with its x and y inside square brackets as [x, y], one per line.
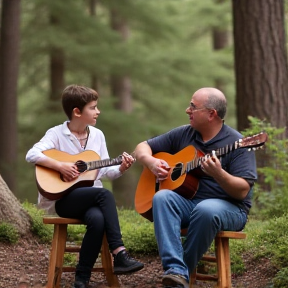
[272, 243]
[276, 241]
[44, 232]
[281, 279]
[274, 201]
[137, 232]
[70, 259]
[8, 233]
[269, 238]
[75, 233]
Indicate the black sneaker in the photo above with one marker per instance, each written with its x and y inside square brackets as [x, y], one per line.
[123, 263]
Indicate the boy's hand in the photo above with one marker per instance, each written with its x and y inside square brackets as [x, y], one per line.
[127, 161]
[68, 171]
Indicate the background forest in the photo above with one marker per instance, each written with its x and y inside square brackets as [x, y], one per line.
[145, 58]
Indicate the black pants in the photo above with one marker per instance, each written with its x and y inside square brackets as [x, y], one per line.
[96, 207]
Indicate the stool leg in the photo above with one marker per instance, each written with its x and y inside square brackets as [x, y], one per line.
[57, 255]
[225, 243]
[223, 262]
[107, 264]
[192, 278]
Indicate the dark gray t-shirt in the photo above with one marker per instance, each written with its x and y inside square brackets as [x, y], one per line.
[239, 162]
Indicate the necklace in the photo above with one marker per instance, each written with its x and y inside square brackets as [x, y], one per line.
[79, 138]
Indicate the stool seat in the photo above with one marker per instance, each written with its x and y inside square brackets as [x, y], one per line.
[59, 247]
[221, 258]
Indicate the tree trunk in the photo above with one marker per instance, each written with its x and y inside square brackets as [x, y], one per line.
[260, 67]
[9, 66]
[121, 84]
[124, 187]
[11, 210]
[57, 69]
[260, 62]
[94, 77]
[220, 41]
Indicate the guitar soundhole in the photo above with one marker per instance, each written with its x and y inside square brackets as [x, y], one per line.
[176, 173]
[81, 166]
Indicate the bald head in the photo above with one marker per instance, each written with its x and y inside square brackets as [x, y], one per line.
[213, 99]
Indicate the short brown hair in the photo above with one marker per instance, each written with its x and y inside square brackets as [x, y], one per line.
[75, 96]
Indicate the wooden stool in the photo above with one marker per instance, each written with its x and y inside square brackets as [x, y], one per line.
[222, 260]
[58, 249]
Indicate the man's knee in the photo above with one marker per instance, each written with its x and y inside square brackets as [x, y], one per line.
[162, 196]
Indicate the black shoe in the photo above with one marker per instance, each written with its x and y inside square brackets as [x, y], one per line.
[123, 263]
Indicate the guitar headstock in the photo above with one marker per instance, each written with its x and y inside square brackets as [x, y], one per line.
[255, 142]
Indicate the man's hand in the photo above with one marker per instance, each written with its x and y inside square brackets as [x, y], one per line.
[211, 165]
[160, 169]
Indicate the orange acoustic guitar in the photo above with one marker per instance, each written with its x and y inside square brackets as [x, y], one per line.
[50, 183]
[179, 179]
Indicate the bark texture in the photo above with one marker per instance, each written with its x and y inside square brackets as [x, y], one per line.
[260, 61]
[11, 210]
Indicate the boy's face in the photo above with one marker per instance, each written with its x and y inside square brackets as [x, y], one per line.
[89, 114]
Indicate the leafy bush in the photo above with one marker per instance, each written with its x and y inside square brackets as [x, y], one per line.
[275, 241]
[44, 232]
[137, 232]
[8, 233]
[281, 279]
[272, 200]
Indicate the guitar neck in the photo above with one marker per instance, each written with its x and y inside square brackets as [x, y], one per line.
[196, 162]
[92, 165]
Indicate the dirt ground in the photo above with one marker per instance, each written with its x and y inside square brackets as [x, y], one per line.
[27, 262]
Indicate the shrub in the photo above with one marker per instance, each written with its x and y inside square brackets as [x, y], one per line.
[281, 279]
[42, 231]
[8, 233]
[137, 232]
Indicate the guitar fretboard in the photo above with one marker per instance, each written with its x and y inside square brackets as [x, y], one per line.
[103, 163]
[196, 162]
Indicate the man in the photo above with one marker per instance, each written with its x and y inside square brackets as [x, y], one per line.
[223, 192]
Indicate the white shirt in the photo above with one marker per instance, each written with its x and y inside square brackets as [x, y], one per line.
[61, 138]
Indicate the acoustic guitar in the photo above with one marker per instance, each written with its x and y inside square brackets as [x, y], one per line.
[50, 182]
[179, 179]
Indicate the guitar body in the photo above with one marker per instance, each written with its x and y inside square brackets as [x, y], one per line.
[49, 182]
[178, 180]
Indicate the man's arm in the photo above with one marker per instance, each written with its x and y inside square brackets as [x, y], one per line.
[143, 154]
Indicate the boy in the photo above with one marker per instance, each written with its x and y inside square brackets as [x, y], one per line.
[94, 205]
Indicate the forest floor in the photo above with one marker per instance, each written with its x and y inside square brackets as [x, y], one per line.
[27, 262]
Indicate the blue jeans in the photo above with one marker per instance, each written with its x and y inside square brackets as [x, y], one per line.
[203, 218]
